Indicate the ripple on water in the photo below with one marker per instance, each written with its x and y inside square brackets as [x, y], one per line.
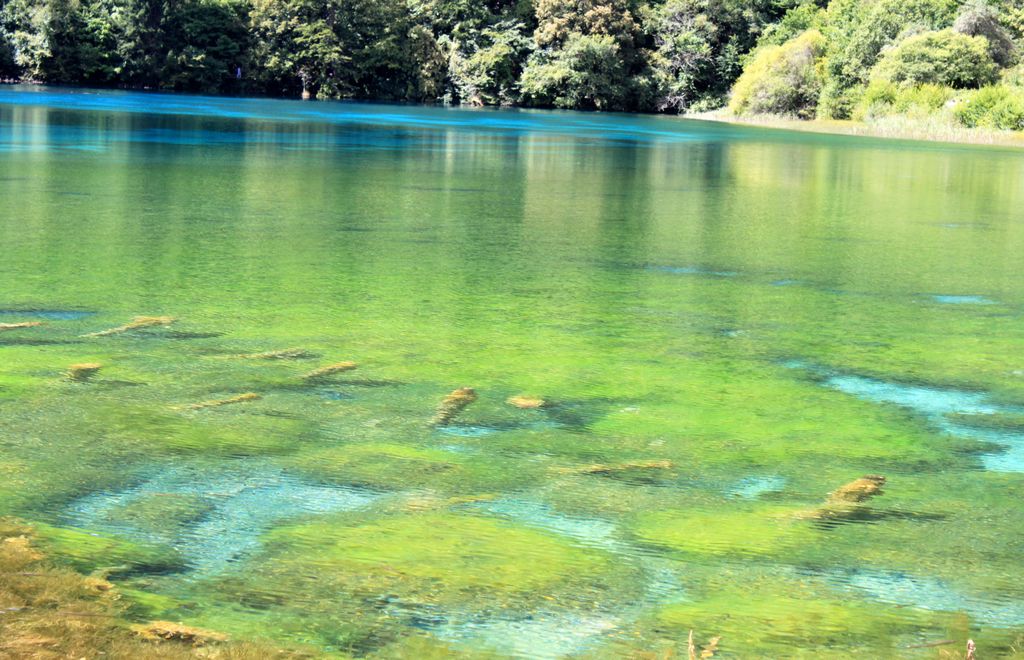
[238, 503]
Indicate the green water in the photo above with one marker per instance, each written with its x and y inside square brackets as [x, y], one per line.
[749, 318]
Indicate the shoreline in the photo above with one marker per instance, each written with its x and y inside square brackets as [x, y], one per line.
[888, 128]
[899, 127]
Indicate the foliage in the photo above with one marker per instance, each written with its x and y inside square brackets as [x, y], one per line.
[944, 57]
[209, 44]
[979, 19]
[587, 72]
[857, 32]
[490, 74]
[782, 79]
[997, 106]
[883, 98]
[587, 56]
[633, 55]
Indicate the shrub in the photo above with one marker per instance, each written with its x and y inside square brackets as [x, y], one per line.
[1014, 77]
[860, 30]
[782, 79]
[944, 58]
[997, 106]
[838, 100]
[883, 98]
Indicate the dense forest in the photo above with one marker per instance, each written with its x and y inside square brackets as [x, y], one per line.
[805, 58]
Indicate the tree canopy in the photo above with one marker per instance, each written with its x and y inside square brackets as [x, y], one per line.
[800, 57]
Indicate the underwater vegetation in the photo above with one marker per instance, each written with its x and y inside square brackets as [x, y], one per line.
[358, 504]
[52, 612]
[694, 352]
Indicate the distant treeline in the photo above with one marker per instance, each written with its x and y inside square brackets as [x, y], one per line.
[800, 57]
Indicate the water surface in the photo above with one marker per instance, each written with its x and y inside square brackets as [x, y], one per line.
[726, 324]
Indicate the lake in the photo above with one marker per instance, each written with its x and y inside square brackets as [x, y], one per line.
[683, 339]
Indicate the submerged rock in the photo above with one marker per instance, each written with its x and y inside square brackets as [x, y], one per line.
[847, 501]
[330, 370]
[859, 490]
[19, 326]
[216, 403]
[169, 631]
[138, 323]
[453, 405]
[526, 402]
[83, 372]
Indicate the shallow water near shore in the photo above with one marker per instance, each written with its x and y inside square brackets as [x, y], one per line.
[710, 329]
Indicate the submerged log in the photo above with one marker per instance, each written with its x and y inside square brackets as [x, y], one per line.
[138, 323]
[83, 372]
[611, 468]
[453, 405]
[526, 402]
[216, 403]
[286, 354]
[330, 370]
[20, 326]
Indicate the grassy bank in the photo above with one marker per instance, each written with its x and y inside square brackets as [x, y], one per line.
[934, 128]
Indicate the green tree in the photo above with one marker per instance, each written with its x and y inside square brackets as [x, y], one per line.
[587, 72]
[943, 57]
[977, 18]
[334, 48]
[489, 75]
[207, 41]
[588, 55]
[684, 59]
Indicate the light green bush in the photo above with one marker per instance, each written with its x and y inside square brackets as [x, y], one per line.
[997, 106]
[943, 57]
[782, 79]
[883, 98]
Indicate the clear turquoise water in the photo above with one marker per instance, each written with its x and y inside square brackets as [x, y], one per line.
[727, 324]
